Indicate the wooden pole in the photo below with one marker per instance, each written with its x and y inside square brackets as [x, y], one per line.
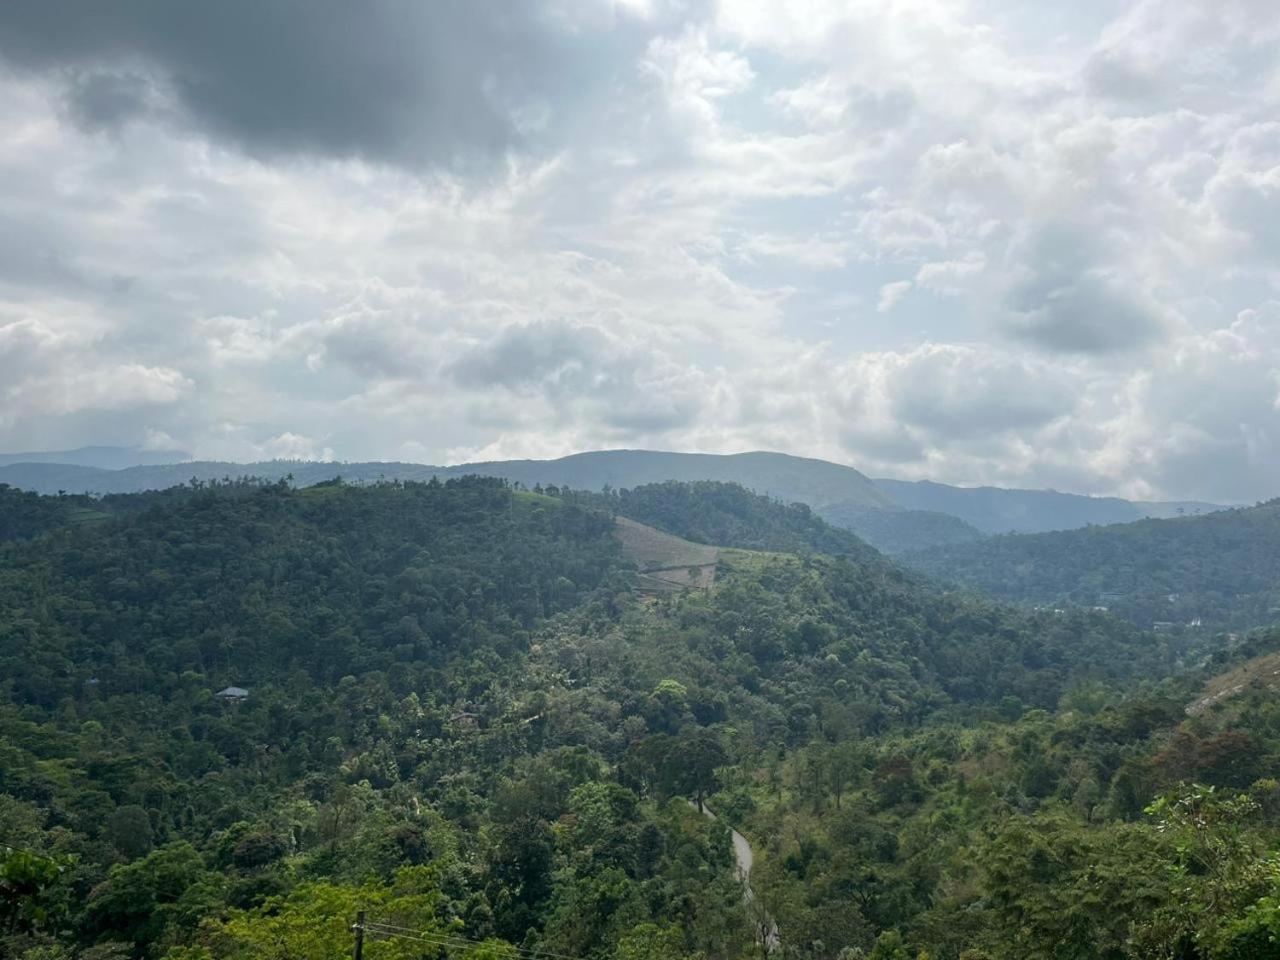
[359, 929]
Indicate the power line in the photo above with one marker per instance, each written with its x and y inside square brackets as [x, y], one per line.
[443, 941]
[393, 930]
[456, 940]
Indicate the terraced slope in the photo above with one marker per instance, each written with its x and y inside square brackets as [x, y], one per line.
[665, 561]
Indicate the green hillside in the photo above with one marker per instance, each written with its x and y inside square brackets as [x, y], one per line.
[232, 715]
[725, 514]
[996, 510]
[1222, 569]
[900, 531]
[843, 495]
[1116, 827]
[893, 516]
[24, 515]
[815, 482]
[665, 562]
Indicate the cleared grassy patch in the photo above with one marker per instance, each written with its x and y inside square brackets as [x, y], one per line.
[1259, 673]
[665, 561]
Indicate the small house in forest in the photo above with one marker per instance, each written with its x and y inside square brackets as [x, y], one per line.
[232, 693]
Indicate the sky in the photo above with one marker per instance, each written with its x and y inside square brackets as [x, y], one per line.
[1015, 243]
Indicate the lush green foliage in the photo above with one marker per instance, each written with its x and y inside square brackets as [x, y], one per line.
[1222, 569]
[461, 720]
[814, 482]
[996, 510]
[898, 531]
[1035, 837]
[244, 584]
[724, 514]
[25, 515]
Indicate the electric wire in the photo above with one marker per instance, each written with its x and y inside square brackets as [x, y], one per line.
[455, 940]
[390, 929]
[442, 941]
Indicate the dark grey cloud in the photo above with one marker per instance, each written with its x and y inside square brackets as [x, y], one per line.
[1066, 299]
[449, 82]
[729, 192]
[536, 354]
[106, 100]
[1086, 314]
[629, 389]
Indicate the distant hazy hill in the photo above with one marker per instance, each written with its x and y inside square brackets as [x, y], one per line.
[840, 494]
[998, 510]
[817, 483]
[897, 531]
[1222, 568]
[103, 458]
[60, 477]
[791, 479]
[893, 515]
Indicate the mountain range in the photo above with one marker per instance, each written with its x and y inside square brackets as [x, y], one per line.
[1220, 570]
[101, 458]
[893, 515]
[1001, 510]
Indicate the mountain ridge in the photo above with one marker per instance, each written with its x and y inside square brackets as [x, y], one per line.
[99, 457]
[997, 510]
[895, 516]
[1218, 570]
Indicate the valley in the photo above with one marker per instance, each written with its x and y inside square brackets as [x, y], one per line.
[483, 711]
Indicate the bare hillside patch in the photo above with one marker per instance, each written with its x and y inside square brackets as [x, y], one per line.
[1260, 672]
[669, 560]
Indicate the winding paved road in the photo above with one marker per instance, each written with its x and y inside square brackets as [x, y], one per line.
[743, 854]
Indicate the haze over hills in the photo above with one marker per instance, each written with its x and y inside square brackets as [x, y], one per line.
[1217, 570]
[894, 516]
[102, 458]
[784, 477]
[1001, 510]
[817, 483]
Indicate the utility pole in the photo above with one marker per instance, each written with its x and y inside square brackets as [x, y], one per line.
[359, 929]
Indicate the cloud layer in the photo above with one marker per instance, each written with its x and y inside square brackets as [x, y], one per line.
[957, 240]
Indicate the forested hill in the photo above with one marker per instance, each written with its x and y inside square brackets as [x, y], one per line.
[24, 515]
[996, 510]
[894, 516]
[727, 515]
[248, 580]
[245, 582]
[232, 715]
[1222, 569]
[815, 482]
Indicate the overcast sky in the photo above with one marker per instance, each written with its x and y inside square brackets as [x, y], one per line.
[1000, 242]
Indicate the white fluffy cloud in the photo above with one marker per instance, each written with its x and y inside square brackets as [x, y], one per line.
[970, 241]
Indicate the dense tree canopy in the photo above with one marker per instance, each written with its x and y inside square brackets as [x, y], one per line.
[1213, 571]
[462, 718]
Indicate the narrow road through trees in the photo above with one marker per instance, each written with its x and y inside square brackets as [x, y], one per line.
[766, 929]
